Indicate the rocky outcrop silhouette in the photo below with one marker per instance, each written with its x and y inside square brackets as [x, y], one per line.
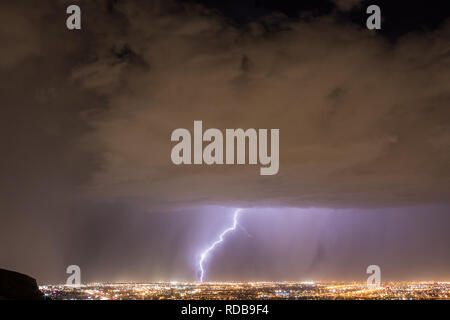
[18, 286]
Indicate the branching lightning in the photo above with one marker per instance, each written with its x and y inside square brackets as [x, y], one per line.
[205, 253]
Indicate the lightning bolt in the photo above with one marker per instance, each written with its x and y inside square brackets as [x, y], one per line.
[205, 253]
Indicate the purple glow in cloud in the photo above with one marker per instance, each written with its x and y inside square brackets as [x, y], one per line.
[205, 253]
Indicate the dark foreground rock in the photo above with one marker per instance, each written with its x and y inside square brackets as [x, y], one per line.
[18, 286]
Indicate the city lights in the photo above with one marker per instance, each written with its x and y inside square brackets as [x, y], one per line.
[308, 290]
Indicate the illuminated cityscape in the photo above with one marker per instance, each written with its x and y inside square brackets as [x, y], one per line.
[287, 152]
[250, 290]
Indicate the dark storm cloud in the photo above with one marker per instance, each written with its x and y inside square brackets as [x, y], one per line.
[363, 122]
[347, 4]
[87, 117]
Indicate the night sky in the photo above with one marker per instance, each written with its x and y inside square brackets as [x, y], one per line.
[86, 119]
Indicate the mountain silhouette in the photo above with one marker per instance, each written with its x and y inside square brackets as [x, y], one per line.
[18, 286]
